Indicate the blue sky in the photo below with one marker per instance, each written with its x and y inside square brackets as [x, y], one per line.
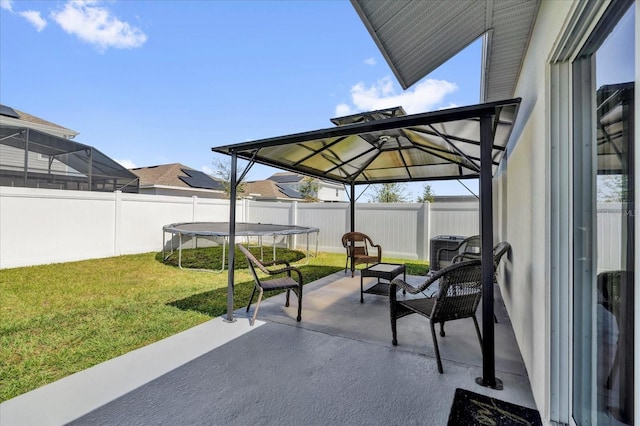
[156, 82]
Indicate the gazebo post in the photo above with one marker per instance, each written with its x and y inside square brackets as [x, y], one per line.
[232, 235]
[353, 207]
[488, 378]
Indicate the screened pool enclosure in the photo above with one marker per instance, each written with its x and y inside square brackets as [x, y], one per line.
[34, 159]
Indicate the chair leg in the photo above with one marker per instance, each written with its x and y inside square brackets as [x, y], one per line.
[255, 312]
[475, 322]
[299, 304]
[394, 332]
[442, 329]
[287, 301]
[251, 298]
[435, 345]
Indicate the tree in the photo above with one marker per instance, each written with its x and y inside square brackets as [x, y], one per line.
[222, 170]
[309, 189]
[388, 193]
[427, 194]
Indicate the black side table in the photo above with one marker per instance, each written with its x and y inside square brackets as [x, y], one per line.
[385, 271]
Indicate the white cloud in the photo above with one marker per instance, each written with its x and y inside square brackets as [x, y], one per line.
[207, 170]
[6, 5]
[426, 96]
[370, 61]
[127, 164]
[97, 25]
[34, 18]
[342, 110]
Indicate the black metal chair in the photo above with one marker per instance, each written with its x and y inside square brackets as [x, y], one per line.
[460, 290]
[468, 249]
[357, 246]
[286, 282]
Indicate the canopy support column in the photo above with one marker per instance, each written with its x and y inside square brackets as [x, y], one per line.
[232, 235]
[352, 206]
[488, 378]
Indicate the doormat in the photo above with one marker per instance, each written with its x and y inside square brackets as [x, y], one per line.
[470, 408]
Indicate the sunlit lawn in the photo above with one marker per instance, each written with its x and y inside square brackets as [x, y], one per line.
[58, 319]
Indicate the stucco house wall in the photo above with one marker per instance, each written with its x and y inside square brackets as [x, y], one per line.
[522, 191]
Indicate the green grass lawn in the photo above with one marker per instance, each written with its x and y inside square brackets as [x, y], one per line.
[59, 319]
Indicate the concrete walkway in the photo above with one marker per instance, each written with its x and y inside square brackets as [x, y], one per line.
[337, 366]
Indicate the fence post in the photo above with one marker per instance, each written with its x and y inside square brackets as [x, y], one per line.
[117, 223]
[194, 207]
[428, 237]
[293, 219]
[246, 207]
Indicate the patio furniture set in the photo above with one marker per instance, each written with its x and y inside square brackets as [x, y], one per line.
[454, 283]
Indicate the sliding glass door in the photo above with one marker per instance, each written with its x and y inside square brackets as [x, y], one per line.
[604, 222]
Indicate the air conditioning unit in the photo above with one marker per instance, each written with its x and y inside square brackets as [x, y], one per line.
[440, 242]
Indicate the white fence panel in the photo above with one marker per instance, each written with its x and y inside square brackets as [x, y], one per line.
[142, 219]
[39, 226]
[610, 224]
[332, 220]
[271, 213]
[454, 219]
[393, 226]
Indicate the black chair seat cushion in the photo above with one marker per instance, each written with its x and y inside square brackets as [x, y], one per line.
[279, 283]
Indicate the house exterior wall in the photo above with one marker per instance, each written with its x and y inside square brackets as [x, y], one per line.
[521, 203]
[13, 159]
[326, 191]
[532, 205]
[331, 192]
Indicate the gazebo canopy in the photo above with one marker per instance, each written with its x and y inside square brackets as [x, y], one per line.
[389, 146]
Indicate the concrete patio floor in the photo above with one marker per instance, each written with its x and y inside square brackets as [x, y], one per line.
[337, 366]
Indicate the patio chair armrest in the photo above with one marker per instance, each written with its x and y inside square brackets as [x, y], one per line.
[403, 285]
[276, 262]
[379, 250]
[288, 271]
[464, 257]
[431, 278]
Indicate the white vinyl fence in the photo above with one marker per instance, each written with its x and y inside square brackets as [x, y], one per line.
[40, 226]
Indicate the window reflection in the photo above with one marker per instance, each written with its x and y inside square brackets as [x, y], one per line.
[614, 300]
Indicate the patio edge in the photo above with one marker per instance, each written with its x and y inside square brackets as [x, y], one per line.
[78, 394]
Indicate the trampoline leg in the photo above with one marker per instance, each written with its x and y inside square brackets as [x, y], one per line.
[224, 244]
[180, 251]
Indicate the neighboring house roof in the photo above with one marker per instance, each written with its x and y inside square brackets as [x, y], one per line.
[270, 190]
[176, 175]
[14, 117]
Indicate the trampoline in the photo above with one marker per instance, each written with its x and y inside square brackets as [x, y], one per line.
[186, 231]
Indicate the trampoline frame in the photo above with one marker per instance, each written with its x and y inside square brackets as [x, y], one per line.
[211, 230]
